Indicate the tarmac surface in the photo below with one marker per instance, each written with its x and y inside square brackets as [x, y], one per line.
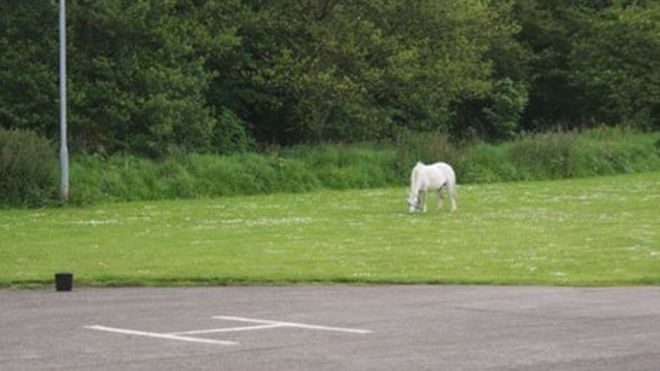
[331, 328]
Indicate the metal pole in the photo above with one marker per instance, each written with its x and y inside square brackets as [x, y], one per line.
[64, 152]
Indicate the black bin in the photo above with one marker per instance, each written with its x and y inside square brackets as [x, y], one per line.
[63, 281]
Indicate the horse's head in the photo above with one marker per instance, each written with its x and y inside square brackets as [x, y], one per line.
[412, 201]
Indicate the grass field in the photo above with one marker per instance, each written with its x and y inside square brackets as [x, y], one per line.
[595, 231]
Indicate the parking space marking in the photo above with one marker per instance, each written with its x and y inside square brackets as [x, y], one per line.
[160, 335]
[293, 324]
[226, 329]
[260, 324]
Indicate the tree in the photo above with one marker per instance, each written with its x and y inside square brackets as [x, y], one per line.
[615, 56]
[545, 30]
[136, 85]
[509, 101]
[343, 70]
[28, 66]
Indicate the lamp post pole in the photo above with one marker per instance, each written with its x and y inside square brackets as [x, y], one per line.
[64, 152]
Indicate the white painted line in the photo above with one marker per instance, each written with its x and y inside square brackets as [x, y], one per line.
[227, 329]
[160, 335]
[293, 324]
[243, 319]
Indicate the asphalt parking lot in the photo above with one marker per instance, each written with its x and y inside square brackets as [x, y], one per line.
[331, 328]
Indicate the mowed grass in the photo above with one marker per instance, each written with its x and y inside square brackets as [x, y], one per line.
[597, 231]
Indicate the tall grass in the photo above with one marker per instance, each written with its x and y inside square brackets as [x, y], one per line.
[529, 157]
[344, 167]
[562, 155]
[27, 169]
[300, 169]
[96, 178]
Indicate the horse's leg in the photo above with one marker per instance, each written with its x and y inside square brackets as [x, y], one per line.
[424, 203]
[421, 205]
[452, 197]
[440, 198]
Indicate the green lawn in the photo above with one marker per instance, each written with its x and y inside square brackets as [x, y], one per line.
[597, 231]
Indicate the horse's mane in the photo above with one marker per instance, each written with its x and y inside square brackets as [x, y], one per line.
[415, 173]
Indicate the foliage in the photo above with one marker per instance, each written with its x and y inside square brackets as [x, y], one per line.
[341, 167]
[545, 156]
[616, 58]
[230, 134]
[27, 169]
[169, 99]
[161, 78]
[96, 178]
[552, 101]
[135, 74]
[592, 62]
[427, 148]
[28, 66]
[356, 70]
[562, 155]
[154, 77]
[509, 101]
[130, 178]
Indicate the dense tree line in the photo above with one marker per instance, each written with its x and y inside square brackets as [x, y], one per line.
[153, 77]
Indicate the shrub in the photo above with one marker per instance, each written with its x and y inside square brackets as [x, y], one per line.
[544, 156]
[96, 178]
[174, 181]
[230, 135]
[562, 155]
[485, 163]
[509, 101]
[345, 167]
[615, 150]
[427, 148]
[248, 174]
[27, 169]
[292, 175]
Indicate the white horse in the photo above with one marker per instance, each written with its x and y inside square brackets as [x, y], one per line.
[432, 177]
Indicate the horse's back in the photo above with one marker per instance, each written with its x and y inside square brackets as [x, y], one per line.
[435, 175]
[446, 169]
[447, 172]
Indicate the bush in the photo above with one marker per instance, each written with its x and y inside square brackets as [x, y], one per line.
[544, 156]
[27, 169]
[619, 75]
[427, 148]
[561, 155]
[292, 175]
[248, 174]
[614, 151]
[485, 163]
[233, 175]
[96, 178]
[509, 101]
[230, 135]
[345, 167]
